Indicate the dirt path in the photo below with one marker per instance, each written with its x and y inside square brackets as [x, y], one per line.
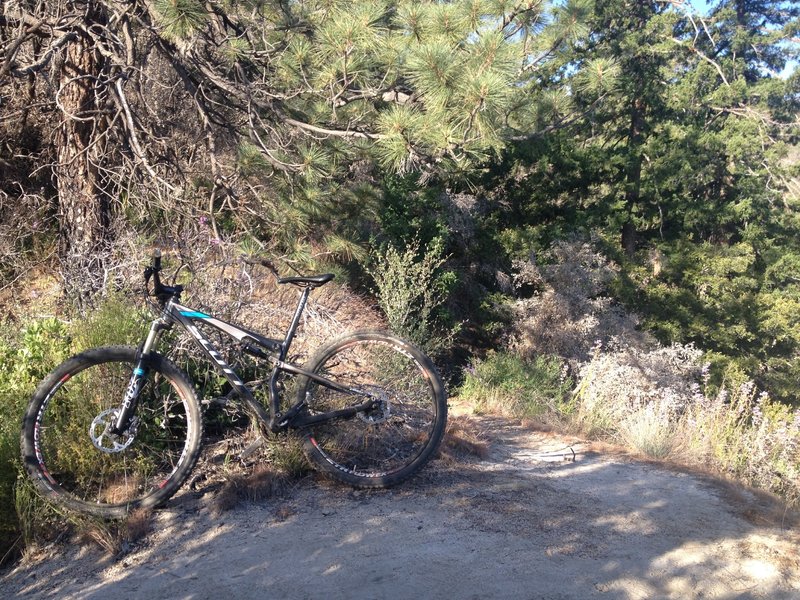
[523, 523]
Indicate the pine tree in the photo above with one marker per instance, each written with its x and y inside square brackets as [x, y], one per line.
[269, 107]
[681, 148]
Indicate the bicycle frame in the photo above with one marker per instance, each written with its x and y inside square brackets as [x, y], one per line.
[253, 343]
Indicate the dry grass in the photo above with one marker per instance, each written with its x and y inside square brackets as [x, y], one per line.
[138, 524]
[122, 490]
[113, 537]
[262, 483]
[464, 437]
[103, 534]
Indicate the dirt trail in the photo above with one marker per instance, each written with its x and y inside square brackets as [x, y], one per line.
[523, 523]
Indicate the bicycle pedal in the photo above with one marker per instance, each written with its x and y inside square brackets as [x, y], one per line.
[219, 401]
[252, 447]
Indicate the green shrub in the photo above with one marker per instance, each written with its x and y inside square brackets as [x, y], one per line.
[285, 454]
[505, 383]
[412, 288]
[115, 321]
[26, 356]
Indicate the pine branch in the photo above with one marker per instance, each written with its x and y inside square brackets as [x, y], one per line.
[567, 121]
[694, 50]
[342, 133]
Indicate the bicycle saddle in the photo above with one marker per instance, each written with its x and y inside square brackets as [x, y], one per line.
[312, 281]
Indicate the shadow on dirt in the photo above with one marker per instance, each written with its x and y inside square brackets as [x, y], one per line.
[510, 526]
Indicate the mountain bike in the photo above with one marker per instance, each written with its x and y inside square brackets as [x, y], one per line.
[117, 428]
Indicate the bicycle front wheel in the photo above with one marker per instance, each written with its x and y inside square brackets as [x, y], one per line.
[67, 447]
[396, 437]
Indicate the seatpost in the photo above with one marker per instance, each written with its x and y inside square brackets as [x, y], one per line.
[277, 420]
[301, 304]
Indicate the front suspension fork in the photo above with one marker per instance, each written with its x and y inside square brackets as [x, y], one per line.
[138, 377]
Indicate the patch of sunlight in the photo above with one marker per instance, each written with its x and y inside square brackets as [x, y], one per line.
[352, 538]
[715, 559]
[634, 521]
[760, 570]
[577, 469]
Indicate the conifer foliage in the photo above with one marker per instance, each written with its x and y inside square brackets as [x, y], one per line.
[180, 107]
[679, 165]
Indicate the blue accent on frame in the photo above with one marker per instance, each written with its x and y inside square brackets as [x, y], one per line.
[138, 372]
[193, 314]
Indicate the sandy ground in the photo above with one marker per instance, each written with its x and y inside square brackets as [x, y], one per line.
[526, 522]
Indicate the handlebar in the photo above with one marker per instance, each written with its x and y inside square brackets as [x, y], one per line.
[163, 292]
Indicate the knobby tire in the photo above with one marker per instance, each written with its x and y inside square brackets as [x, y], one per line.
[391, 442]
[75, 401]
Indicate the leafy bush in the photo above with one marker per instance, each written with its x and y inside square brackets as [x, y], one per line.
[24, 360]
[508, 384]
[411, 288]
[740, 301]
[27, 355]
[114, 321]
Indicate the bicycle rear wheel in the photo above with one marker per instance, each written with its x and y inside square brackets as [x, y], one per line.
[391, 441]
[74, 460]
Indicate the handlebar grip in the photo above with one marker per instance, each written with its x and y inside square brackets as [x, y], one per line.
[157, 259]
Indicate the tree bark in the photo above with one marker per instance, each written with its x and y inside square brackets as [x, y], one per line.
[83, 204]
[83, 215]
[633, 175]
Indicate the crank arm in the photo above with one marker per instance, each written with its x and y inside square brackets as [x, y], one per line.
[342, 413]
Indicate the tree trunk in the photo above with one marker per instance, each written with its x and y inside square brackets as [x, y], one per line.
[84, 208]
[633, 175]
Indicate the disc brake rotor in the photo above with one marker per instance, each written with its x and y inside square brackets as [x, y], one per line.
[381, 411]
[104, 440]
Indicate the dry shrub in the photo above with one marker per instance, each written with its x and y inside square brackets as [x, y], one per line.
[650, 430]
[125, 487]
[463, 438]
[627, 391]
[284, 452]
[249, 295]
[652, 402]
[97, 532]
[138, 524]
[261, 483]
[113, 537]
[746, 435]
[570, 313]
[632, 390]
